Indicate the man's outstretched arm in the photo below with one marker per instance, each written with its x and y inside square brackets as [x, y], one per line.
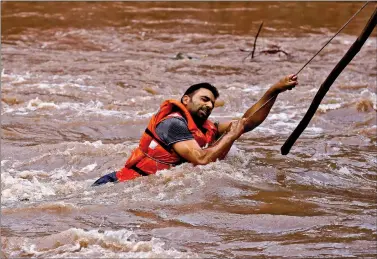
[257, 114]
[192, 152]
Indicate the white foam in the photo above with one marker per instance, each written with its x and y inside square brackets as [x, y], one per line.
[281, 116]
[95, 144]
[35, 104]
[87, 169]
[14, 77]
[82, 109]
[3, 162]
[38, 184]
[61, 175]
[330, 106]
[186, 181]
[314, 129]
[32, 173]
[371, 96]
[137, 100]
[260, 129]
[254, 89]
[81, 243]
[62, 86]
[14, 189]
[284, 125]
[344, 170]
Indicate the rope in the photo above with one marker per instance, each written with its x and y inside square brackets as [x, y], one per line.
[316, 53]
[333, 37]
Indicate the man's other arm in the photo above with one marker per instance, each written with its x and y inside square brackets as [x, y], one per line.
[192, 152]
[256, 115]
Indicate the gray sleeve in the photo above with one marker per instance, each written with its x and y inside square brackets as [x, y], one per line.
[173, 130]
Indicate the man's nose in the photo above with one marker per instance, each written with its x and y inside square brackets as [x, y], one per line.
[209, 105]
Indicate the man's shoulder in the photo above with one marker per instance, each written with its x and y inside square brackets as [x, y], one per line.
[172, 130]
[173, 122]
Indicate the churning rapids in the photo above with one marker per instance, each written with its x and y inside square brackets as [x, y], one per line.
[79, 82]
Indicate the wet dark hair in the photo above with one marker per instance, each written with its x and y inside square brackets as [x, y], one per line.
[192, 89]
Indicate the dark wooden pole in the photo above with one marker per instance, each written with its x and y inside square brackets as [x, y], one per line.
[351, 53]
[255, 40]
[255, 43]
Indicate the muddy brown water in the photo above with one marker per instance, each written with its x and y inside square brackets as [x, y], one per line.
[79, 81]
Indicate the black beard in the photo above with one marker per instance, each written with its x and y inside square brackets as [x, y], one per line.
[199, 121]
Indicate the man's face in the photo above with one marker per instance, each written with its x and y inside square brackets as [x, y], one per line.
[200, 105]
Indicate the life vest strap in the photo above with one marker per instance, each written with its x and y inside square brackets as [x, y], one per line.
[139, 171]
[158, 161]
[162, 144]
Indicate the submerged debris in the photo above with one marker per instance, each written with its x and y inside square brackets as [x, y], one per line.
[181, 55]
[255, 43]
[273, 49]
[150, 90]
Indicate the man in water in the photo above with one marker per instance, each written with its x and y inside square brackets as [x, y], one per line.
[181, 132]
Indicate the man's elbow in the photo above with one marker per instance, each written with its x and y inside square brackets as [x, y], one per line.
[201, 157]
[203, 161]
[253, 125]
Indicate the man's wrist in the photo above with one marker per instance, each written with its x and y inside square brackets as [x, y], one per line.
[233, 136]
[275, 89]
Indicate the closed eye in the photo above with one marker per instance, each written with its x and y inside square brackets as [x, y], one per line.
[207, 99]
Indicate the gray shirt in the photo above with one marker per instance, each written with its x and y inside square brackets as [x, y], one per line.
[173, 130]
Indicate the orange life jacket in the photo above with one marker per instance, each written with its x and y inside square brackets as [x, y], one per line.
[152, 154]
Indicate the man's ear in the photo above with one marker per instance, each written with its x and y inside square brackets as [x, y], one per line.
[186, 99]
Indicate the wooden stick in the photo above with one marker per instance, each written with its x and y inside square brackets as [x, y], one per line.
[255, 43]
[354, 49]
[255, 40]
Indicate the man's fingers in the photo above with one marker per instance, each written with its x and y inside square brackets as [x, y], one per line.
[293, 81]
[292, 77]
[232, 125]
[292, 85]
